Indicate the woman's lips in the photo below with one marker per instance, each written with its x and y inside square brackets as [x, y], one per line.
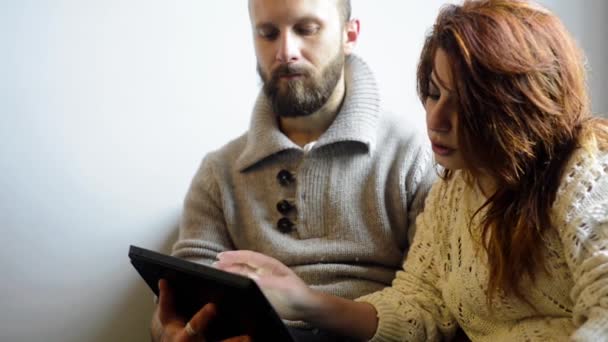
[441, 149]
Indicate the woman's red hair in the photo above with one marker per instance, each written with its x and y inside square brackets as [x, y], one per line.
[524, 108]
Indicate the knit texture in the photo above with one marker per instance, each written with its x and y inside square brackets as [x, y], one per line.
[354, 193]
[445, 277]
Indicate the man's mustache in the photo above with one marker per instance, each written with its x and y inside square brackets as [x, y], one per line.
[289, 70]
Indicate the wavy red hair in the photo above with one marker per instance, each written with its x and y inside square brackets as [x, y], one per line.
[524, 109]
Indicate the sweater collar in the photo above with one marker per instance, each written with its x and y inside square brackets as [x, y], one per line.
[356, 121]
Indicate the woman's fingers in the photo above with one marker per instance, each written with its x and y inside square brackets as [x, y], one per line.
[244, 270]
[254, 260]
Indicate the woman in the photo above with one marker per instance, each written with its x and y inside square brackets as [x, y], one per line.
[513, 243]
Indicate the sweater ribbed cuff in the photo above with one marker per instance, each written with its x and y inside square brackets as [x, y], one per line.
[391, 326]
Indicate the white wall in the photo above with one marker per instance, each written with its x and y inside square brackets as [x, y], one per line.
[587, 22]
[106, 109]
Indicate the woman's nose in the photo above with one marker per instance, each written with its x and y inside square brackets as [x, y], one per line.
[438, 118]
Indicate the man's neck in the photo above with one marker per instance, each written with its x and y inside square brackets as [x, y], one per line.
[304, 129]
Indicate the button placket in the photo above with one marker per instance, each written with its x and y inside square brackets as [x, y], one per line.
[285, 177]
[285, 206]
[285, 225]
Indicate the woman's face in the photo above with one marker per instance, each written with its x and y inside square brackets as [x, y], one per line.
[442, 114]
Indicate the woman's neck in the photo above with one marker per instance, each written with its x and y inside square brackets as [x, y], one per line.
[486, 184]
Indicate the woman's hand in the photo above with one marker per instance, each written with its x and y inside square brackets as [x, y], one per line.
[173, 328]
[294, 300]
[289, 295]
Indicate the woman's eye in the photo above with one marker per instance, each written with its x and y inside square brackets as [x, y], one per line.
[433, 91]
[434, 96]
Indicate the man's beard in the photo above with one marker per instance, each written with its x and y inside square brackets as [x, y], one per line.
[306, 94]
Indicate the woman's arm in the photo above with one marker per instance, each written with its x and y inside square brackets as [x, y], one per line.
[343, 316]
[411, 308]
[583, 229]
[294, 300]
[587, 251]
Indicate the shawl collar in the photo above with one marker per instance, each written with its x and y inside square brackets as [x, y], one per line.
[356, 122]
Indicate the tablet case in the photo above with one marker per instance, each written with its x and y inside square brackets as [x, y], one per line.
[242, 307]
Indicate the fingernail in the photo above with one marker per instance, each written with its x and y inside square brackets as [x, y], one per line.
[214, 264]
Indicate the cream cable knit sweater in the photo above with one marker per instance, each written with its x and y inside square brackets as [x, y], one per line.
[444, 279]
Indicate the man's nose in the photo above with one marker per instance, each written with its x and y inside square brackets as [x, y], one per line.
[289, 48]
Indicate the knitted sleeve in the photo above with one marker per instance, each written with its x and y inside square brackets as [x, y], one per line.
[202, 231]
[412, 309]
[585, 239]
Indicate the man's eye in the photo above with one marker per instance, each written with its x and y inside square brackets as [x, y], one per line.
[307, 30]
[268, 33]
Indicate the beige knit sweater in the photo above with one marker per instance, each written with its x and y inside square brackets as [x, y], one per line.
[353, 193]
[444, 281]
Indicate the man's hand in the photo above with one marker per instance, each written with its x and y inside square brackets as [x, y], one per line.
[175, 329]
[289, 295]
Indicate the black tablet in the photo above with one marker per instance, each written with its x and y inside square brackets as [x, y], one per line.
[242, 307]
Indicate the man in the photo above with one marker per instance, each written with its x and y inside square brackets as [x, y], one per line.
[324, 180]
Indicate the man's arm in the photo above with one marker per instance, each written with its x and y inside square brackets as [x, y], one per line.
[203, 232]
[167, 326]
[419, 179]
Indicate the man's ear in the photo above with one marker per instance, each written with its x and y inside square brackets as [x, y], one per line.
[351, 33]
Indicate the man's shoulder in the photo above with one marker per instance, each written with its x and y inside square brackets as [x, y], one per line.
[228, 153]
[404, 129]
[403, 122]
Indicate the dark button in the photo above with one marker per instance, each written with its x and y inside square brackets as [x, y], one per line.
[284, 206]
[285, 177]
[285, 225]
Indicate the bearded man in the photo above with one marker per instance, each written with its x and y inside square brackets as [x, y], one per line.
[324, 180]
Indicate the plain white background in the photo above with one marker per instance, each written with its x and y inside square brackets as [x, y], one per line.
[106, 109]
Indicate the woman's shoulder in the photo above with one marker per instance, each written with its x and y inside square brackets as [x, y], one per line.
[588, 163]
[447, 192]
[584, 181]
